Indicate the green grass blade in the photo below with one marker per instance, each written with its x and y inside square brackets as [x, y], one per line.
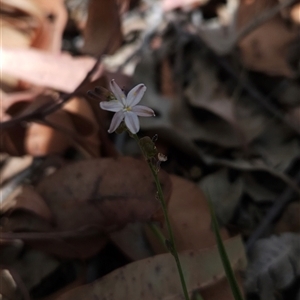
[226, 263]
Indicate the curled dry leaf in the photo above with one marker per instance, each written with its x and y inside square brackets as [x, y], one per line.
[157, 277]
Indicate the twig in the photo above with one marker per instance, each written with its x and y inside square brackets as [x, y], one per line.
[85, 231]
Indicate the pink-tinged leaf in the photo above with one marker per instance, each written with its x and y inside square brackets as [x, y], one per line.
[173, 4]
[58, 71]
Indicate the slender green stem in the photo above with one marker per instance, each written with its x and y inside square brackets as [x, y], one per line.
[237, 294]
[171, 246]
[154, 228]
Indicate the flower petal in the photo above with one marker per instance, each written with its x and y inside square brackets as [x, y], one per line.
[143, 111]
[132, 122]
[116, 121]
[135, 95]
[117, 92]
[113, 105]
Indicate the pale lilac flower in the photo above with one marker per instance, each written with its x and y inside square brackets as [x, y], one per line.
[126, 108]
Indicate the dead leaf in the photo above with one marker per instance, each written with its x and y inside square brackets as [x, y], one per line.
[265, 49]
[33, 266]
[92, 192]
[224, 194]
[85, 123]
[132, 241]
[295, 13]
[157, 277]
[189, 217]
[10, 251]
[173, 4]
[41, 140]
[54, 22]
[85, 199]
[25, 198]
[289, 221]
[102, 28]
[13, 166]
[274, 264]
[46, 67]
[8, 287]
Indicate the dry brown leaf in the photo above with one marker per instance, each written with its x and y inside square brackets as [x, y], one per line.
[93, 191]
[41, 140]
[85, 123]
[54, 22]
[10, 251]
[25, 198]
[295, 13]
[265, 49]
[12, 140]
[289, 221]
[13, 166]
[8, 286]
[157, 277]
[88, 199]
[189, 217]
[57, 71]
[102, 28]
[132, 241]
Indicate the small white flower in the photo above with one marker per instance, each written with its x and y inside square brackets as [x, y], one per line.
[126, 108]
